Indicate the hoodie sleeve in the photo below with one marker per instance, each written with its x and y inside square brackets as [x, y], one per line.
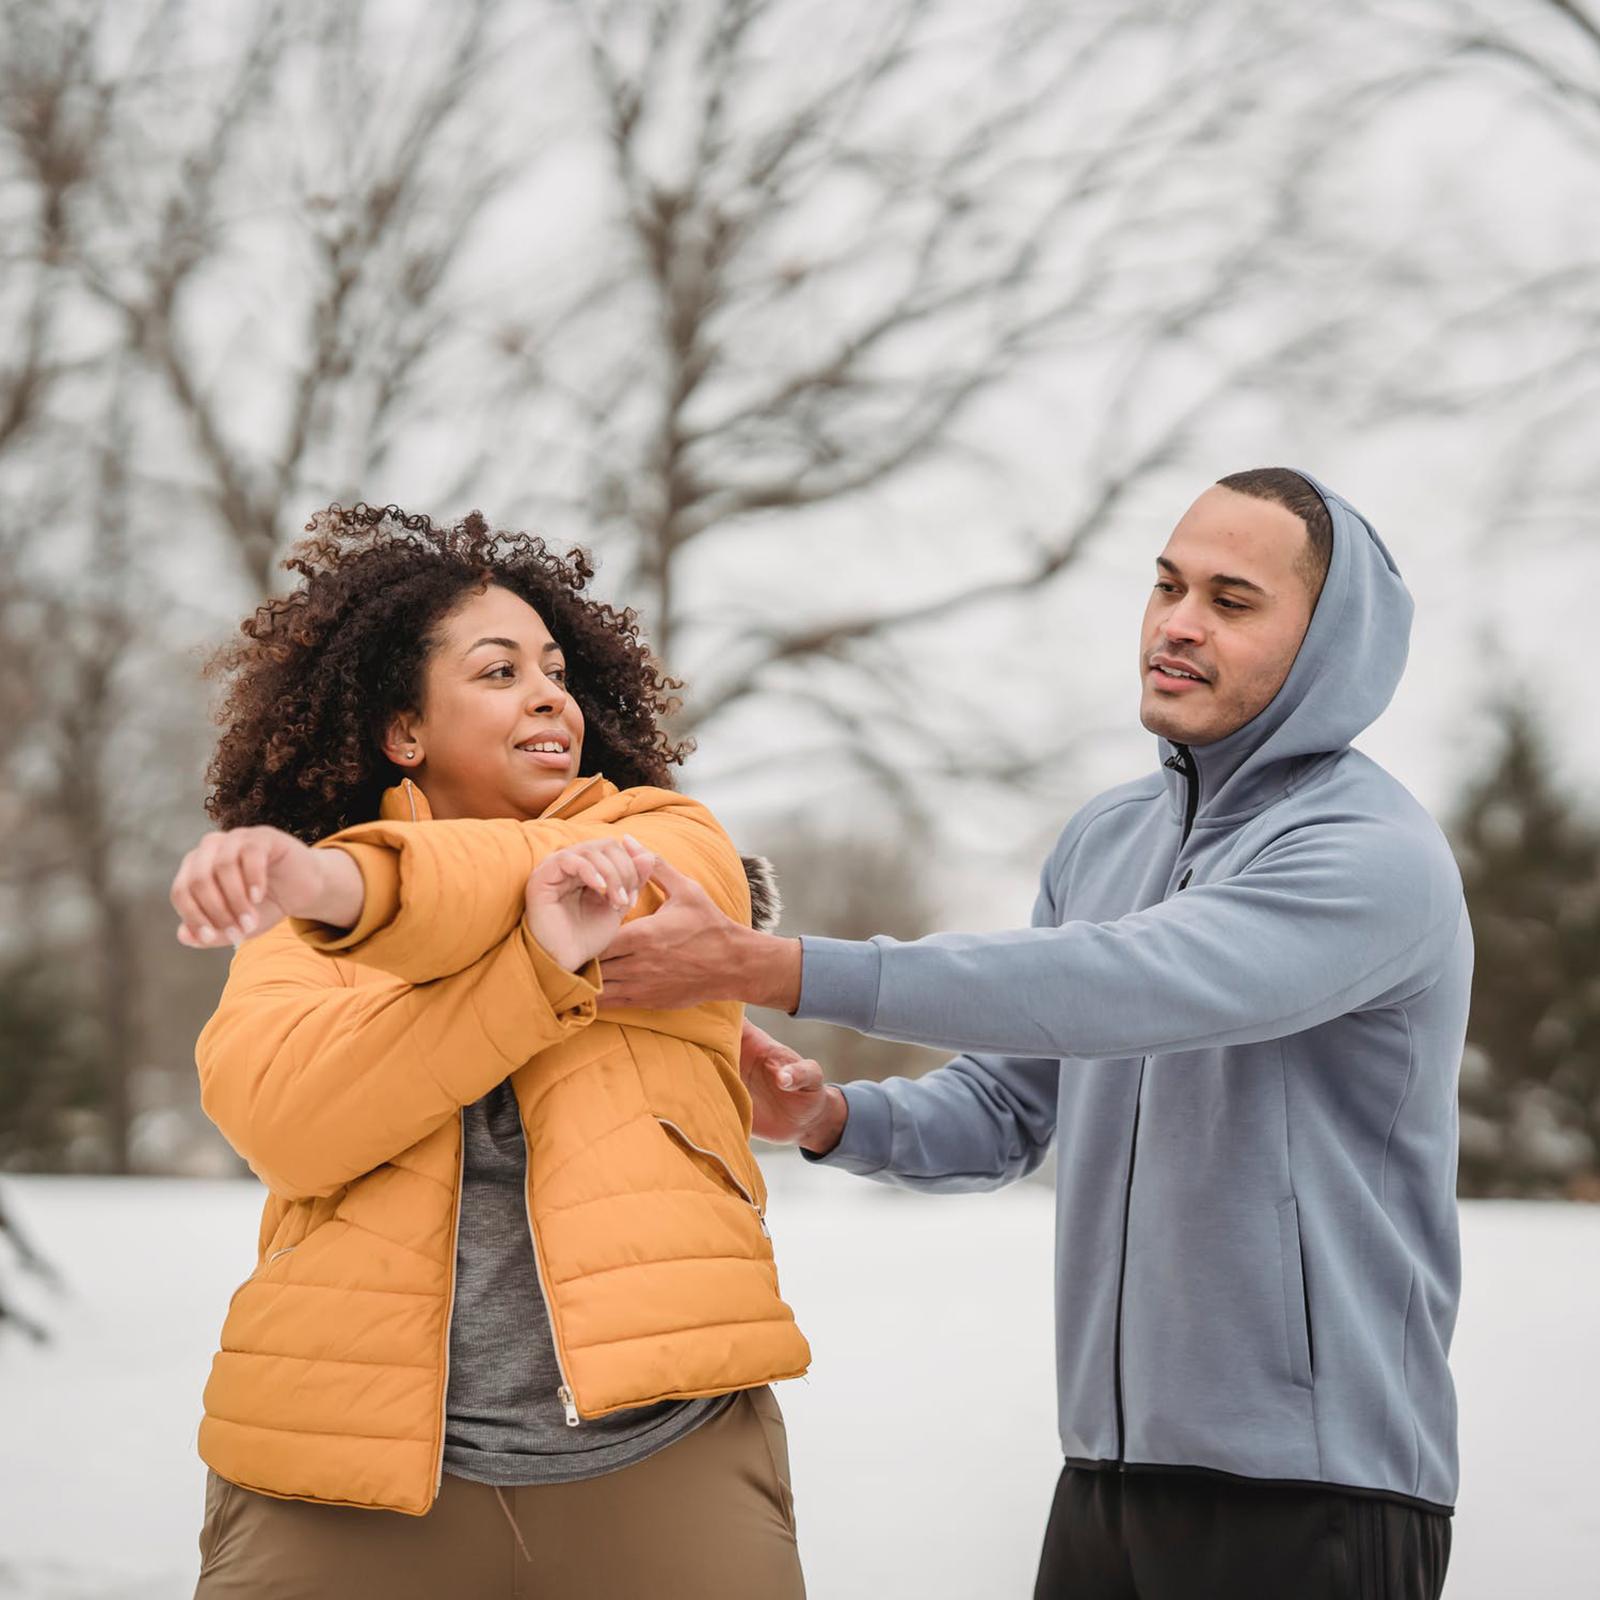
[441, 894]
[1325, 921]
[314, 1081]
[978, 1122]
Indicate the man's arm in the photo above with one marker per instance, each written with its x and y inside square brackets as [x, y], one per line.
[1323, 922]
[978, 1122]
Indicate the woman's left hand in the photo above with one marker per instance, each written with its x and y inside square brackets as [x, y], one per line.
[576, 898]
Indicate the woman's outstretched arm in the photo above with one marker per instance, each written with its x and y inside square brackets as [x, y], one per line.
[438, 895]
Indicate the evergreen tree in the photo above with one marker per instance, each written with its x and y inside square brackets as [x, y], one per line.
[1530, 862]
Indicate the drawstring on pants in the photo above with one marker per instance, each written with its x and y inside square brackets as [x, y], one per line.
[521, 1542]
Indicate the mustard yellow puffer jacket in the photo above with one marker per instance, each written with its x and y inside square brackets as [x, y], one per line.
[338, 1068]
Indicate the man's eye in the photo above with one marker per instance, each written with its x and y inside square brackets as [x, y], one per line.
[1168, 587]
[1232, 605]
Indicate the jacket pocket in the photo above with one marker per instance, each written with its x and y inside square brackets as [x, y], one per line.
[1296, 1304]
[716, 1167]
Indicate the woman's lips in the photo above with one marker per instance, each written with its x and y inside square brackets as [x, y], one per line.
[556, 760]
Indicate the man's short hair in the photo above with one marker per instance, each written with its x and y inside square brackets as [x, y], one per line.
[1286, 488]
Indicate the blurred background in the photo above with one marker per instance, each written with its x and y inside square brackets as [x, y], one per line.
[874, 351]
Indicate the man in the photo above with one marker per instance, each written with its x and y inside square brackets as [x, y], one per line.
[1240, 1008]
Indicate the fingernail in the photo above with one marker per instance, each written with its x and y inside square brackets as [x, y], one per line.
[786, 1078]
[257, 894]
[233, 934]
[207, 933]
[248, 922]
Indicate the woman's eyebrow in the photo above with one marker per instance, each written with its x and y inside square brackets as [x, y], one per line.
[511, 644]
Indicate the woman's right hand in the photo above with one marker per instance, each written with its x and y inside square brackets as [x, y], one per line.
[576, 898]
[237, 883]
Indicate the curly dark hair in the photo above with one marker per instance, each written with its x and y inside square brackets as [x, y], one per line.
[321, 671]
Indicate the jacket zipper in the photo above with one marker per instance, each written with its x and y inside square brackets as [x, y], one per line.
[733, 1177]
[450, 1302]
[564, 1394]
[1182, 762]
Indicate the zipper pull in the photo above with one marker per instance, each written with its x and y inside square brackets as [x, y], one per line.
[766, 1232]
[564, 1395]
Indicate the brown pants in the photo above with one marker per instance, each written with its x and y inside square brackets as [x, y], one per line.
[708, 1518]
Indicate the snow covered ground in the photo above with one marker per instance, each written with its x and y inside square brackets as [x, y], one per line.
[923, 1443]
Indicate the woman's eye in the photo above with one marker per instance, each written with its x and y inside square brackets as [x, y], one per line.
[557, 675]
[504, 670]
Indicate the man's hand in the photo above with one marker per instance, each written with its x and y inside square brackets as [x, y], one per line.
[236, 884]
[791, 1102]
[689, 951]
[576, 898]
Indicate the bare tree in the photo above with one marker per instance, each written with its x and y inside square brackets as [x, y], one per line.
[758, 319]
[157, 162]
[314, 175]
[29, 1259]
[826, 269]
[1496, 315]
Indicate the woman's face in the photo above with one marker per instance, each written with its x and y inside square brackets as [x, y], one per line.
[498, 734]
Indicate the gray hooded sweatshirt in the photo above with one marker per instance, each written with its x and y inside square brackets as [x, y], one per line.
[1240, 1010]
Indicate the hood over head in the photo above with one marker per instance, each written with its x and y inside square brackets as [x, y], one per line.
[1345, 674]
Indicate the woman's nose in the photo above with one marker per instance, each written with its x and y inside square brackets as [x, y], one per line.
[548, 697]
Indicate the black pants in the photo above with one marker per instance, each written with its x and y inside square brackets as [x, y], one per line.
[1182, 1536]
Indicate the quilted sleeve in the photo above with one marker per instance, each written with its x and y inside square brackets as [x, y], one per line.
[441, 895]
[315, 1081]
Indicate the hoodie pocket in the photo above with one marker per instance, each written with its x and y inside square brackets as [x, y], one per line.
[1296, 1305]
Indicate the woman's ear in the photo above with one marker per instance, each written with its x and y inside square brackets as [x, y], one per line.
[402, 745]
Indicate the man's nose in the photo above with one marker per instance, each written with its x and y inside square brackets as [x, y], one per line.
[1185, 621]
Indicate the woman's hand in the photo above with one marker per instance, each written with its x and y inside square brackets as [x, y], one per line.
[576, 898]
[236, 884]
[790, 1102]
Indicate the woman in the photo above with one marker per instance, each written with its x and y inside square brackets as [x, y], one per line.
[514, 1310]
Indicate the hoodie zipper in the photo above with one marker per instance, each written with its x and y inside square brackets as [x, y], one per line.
[1182, 762]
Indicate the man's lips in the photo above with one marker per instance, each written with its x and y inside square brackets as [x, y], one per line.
[1167, 674]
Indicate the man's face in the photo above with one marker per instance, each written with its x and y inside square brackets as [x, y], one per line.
[1231, 604]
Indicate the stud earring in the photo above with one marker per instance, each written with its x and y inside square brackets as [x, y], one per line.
[411, 755]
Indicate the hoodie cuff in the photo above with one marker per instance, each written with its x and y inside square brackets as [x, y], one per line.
[868, 1136]
[839, 982]
[380, 874]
